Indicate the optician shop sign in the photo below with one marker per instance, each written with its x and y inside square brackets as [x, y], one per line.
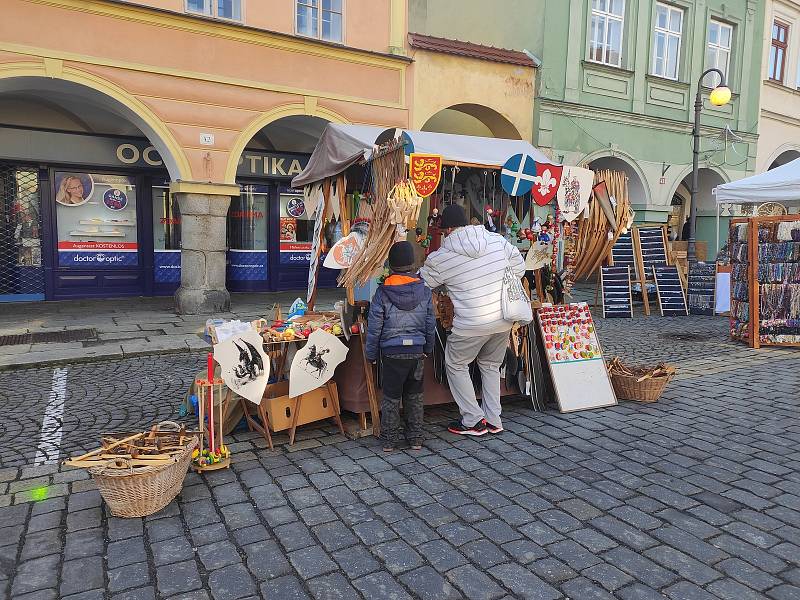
[91, 150]
[271, 164]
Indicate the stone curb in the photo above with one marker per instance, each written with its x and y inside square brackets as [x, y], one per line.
[71, 360]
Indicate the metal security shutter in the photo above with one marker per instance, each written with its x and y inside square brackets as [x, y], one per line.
[21, 272]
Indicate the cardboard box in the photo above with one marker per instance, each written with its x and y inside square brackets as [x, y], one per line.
[314, 406]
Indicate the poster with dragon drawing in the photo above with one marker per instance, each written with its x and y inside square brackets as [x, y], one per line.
[574, 192]
[244, 365]
[314, 363]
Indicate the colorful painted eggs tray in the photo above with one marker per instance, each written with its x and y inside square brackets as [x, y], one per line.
[569, 333]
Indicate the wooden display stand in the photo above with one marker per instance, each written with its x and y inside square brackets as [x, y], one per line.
[277, 411]
[753, 336]
[211, 435]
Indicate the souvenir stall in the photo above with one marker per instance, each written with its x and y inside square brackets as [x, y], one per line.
[774, 193]
[396, 177]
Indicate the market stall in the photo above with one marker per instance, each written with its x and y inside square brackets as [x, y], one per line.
[500, 184]
[774, 193]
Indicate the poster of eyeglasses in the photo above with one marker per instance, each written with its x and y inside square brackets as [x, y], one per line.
[96, 216]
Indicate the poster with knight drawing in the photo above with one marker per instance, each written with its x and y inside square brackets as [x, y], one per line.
[313, 365]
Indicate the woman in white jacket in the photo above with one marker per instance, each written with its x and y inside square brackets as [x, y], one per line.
[470, 264]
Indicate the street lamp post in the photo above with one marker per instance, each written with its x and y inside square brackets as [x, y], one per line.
[719, 96]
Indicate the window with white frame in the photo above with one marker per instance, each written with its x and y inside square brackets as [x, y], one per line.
[320, 19]
[667, 41]
[605, 41]
[718, 50]
[221, 9]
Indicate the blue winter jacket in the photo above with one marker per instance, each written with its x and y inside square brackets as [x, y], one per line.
[401, 319]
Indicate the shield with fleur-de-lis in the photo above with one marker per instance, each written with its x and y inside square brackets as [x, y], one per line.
[546, 182]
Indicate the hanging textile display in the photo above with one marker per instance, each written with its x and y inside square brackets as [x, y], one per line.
[574, 192]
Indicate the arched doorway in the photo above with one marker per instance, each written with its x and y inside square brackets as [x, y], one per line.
[472, 119]
[706, 223]
[84, 171]
[783, 158]
[638, 193]
[269, 232]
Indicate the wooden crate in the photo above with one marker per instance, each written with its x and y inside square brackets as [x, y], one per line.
[314, 406]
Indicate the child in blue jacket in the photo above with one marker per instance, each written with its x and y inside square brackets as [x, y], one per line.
[402, 328]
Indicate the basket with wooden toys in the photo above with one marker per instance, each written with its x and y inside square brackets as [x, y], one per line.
[641, 384]
[139, 474]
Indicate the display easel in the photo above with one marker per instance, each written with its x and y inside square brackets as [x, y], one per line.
[761, 250]
[650, 246]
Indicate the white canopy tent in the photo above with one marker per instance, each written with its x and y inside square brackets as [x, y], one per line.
[341, 146]
[781, 185]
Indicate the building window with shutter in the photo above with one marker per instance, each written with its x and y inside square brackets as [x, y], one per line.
[777, 51]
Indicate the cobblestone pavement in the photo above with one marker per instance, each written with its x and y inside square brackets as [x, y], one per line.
[694, 497]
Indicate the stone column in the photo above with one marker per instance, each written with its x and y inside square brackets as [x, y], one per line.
[203, 254]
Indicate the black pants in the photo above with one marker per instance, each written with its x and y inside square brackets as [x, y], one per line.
[402, 381]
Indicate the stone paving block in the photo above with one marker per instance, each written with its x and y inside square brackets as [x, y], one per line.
[414, 531]
[785, 592]
[285, 588]
[373, 532]
[755, 556]
[171, 550]
[126, 552]
[748, 574]
[127, 577]
[231, 583]
[331, 587]
[265, 560]
[687, 591]
[217, 555]
[637, 591]
[728, 589]
[381, 585]
[475, 584]
[397, 556]
[36, 574]
[691, 545]
[294, 536]
[580, 587]
[41, 544]
[81, 575]
[607, 576]
[639, 567]
[178, 578]
[427, 584]
[311, 562]
[97, 594]
[624, 533]
[524, 584]
[686, 566]
[356, 561]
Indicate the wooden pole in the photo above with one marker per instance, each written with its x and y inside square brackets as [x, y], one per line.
[637, 246]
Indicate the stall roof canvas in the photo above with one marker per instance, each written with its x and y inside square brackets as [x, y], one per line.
[343, 145]
[781, 184]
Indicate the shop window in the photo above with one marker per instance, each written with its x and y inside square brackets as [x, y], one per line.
[320, 19]
[20, 232]
[247, 219]
[777, 51]
[221, 9]
[296, 225]
[718, 50]
[667, 41]
[166, 220]
[96, 220]
[608, 22]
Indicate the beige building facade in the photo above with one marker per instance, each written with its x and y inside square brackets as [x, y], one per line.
[779, 123]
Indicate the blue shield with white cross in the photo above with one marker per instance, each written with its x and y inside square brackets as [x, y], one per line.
[518, 174]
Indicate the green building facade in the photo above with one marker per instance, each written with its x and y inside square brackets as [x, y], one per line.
[617, 84]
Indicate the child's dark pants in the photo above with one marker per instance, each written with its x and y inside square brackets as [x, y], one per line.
[402, 381]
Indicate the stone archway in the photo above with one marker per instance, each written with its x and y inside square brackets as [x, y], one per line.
[784, 157]
[34, 79]
[472, 119]
[638, 191]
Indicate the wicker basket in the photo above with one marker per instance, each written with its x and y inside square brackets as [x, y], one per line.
[626, 387]
[144, 490]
